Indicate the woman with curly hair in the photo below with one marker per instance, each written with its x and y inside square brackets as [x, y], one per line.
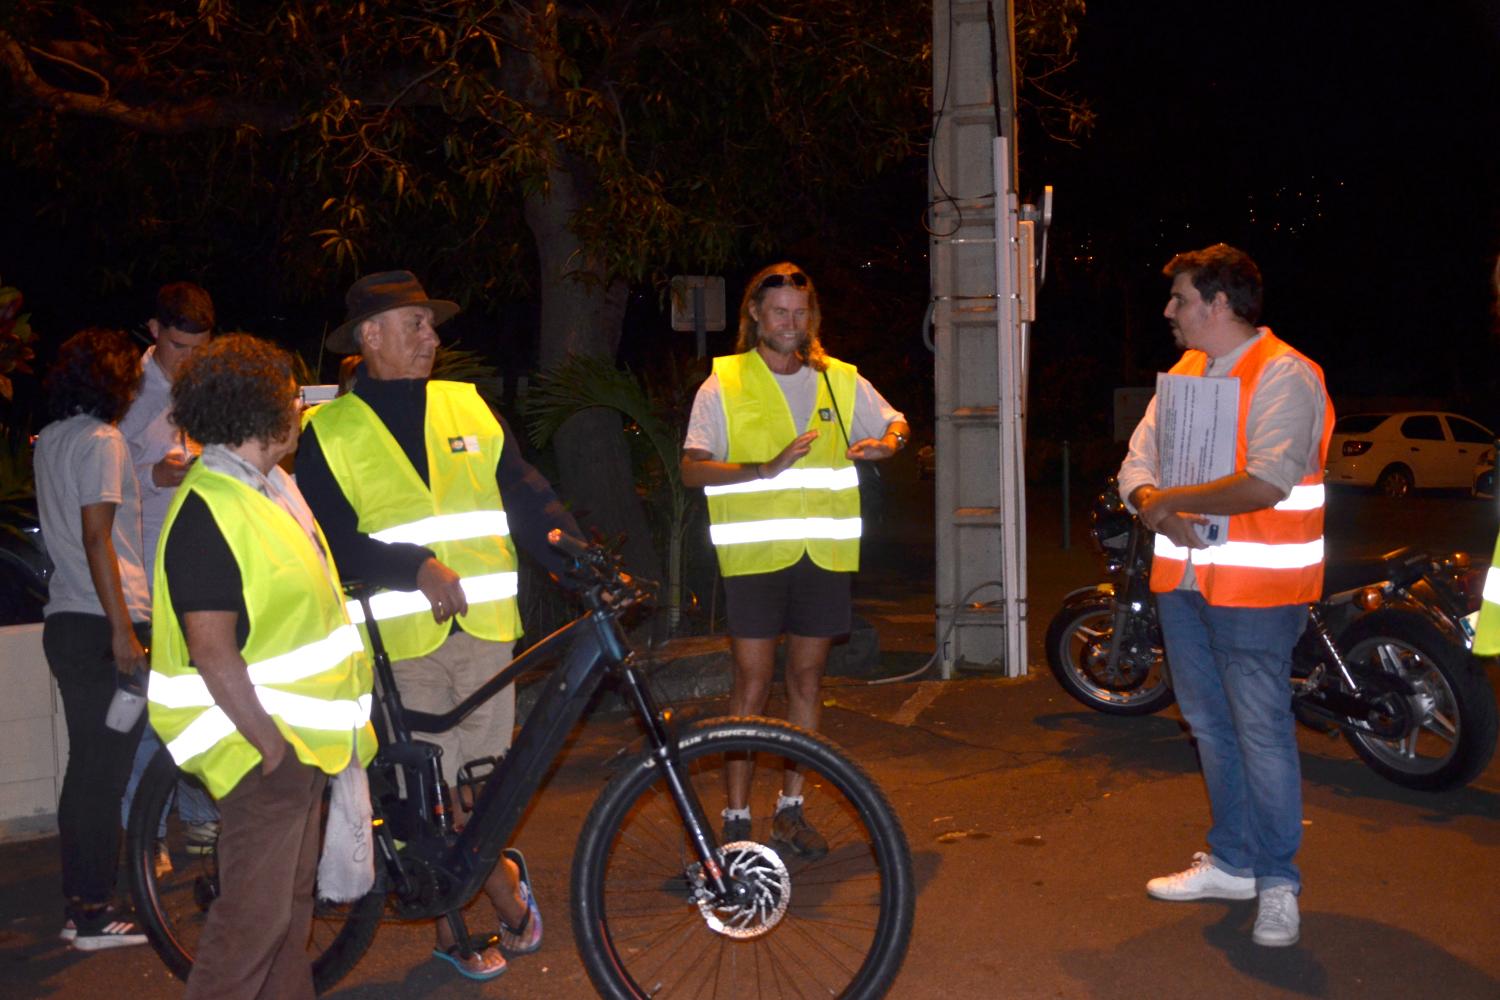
[95, 620]
[260, 686]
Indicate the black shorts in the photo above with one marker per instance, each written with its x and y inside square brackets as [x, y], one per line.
[803, 599]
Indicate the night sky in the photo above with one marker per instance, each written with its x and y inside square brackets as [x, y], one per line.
[1348, 147]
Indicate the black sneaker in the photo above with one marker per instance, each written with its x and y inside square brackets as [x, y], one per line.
[734, 830]
[105, 927]
[791, 831]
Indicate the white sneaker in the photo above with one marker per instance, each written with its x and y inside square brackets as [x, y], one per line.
[1277, 922]
[1201, 881]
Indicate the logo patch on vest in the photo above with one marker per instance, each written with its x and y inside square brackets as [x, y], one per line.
[825, 414]
[466, 443]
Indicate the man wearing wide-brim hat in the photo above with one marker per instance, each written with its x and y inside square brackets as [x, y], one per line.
[423, 491]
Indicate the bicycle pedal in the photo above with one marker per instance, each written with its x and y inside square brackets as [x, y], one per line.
[471, 779]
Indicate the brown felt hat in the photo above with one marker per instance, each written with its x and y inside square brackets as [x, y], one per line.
[374, 294]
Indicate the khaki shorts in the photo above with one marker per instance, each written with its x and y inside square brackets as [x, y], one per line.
[436, 682]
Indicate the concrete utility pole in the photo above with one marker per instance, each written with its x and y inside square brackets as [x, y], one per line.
[982, 262]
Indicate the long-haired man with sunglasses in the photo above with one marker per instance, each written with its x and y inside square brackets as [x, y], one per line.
[772, 439]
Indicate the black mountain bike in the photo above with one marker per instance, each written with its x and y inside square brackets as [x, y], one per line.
[660, 908]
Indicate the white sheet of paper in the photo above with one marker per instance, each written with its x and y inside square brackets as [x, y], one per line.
[1196, 420]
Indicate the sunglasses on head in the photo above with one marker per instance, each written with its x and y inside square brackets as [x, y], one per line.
[796, 278]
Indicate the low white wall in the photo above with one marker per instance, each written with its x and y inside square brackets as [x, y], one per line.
[33, 737]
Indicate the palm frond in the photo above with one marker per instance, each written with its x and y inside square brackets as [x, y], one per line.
[583, 381]
[454, 364]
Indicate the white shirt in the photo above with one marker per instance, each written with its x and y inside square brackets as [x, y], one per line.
[151, 435]
[1283, 430]
[707, 429]
[78, 462]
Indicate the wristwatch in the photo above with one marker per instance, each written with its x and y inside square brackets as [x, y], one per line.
[900, 440]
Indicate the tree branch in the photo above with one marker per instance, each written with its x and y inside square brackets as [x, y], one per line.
[189, 116]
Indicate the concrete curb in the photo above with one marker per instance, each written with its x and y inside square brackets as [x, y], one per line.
[692, 668]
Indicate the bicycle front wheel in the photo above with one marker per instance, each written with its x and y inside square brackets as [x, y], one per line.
[835, 925]
[174, 884]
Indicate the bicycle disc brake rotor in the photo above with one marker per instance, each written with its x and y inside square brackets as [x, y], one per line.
[768, 890]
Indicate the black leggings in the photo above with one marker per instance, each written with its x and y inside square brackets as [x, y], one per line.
[88, 814]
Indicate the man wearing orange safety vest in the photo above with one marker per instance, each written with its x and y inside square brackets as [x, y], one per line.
[1231, 612]
[772, 439]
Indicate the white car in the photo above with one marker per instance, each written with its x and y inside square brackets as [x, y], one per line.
[1399, 452]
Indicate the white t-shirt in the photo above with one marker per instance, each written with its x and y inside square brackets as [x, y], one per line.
[81, 461]
[708, 432]
[148, 430]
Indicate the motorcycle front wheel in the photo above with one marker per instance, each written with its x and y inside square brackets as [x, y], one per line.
[1450, 707]
[1078, 645]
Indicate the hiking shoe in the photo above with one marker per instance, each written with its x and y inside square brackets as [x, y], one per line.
[161, 860]
[734, 830]
[202, 838]
[526, 938]
[791, 831]
[104, 927]
[1277, 922]
[1201, 881]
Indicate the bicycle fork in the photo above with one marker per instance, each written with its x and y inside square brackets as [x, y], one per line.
[664, 751]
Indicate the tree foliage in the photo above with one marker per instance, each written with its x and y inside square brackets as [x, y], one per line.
[301, 134]
[553, 150]
[288, 136]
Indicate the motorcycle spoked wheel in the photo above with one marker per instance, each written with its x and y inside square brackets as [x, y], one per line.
[1078, 642]
[1452, 707]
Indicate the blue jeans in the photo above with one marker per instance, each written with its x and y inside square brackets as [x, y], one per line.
[1231, 671]
[194, 804]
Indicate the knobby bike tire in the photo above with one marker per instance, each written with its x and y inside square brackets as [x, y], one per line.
[847, 917]
[172, 907]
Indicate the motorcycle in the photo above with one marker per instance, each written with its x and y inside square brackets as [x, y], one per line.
[1384, 658]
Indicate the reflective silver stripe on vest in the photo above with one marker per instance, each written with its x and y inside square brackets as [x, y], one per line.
[448, 528]
[785, 529]
[190, 690]
[794, 479]
[1308, 497]
[1492, 585]
[390, 604]
[1254, 555]
[296, 710]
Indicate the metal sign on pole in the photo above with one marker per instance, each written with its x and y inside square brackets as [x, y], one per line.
[698, 305]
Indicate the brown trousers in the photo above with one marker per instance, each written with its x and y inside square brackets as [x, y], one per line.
[254, 943]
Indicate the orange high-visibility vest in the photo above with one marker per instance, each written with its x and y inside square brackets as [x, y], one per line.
[1272, 556]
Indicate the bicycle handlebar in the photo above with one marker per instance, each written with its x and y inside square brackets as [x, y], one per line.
[606, 585]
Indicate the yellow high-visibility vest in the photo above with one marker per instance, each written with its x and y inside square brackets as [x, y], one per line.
[457, 513]
[813, 507]
[1487, 635]
[308, 663]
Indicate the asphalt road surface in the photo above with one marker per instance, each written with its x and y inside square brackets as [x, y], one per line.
[1034, 825]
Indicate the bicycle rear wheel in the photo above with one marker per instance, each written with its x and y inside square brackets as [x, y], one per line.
[174, 895]
[838, 925]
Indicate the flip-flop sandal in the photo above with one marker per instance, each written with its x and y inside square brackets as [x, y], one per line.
[477, 966]
[526, 938]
